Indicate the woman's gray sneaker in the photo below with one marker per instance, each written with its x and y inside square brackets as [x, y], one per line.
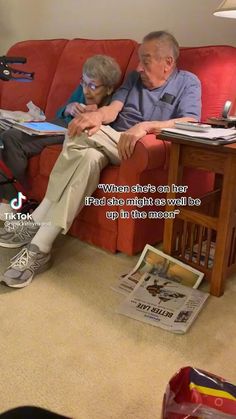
[29, 262]
[17, 233]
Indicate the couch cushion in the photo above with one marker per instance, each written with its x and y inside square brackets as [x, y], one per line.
[215, 66]
[69, 69]
[133, 62]
[42, 58]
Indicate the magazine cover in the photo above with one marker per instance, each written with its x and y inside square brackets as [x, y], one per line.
[163, 302]
[155, 262]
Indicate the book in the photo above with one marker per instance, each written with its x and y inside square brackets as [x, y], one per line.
[6, 123]
[164, 303]
[40, 128]
[156, 262]
[214, 136]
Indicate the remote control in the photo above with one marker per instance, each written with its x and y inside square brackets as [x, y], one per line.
[192, 126]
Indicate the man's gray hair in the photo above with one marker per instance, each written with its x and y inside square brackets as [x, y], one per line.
[166, 39]
[103, 68]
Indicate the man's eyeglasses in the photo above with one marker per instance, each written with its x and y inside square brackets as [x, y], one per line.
[90, 85]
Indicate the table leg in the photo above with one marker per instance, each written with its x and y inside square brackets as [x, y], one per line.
[175, 173]
[224, 228]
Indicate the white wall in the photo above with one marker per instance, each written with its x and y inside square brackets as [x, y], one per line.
[191, 21]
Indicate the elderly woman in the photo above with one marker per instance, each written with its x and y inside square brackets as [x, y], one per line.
[101, 74]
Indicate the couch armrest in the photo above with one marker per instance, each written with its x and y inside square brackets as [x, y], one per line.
[149, 153]
[147, 166]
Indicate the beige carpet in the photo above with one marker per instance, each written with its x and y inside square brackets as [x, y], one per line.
[63, 347]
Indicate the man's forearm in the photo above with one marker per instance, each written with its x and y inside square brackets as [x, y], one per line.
[109, 113]
[154, 126]
[91, 121]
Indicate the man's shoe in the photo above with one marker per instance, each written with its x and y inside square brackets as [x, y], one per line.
[17, 233]
[29, 262]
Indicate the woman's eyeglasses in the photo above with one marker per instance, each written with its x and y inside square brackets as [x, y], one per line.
[90, 85]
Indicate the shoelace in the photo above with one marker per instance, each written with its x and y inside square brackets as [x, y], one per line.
[21, 230]
[22, 259]
[11, 226]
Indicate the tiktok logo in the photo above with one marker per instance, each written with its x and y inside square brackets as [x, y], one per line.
[16, 203]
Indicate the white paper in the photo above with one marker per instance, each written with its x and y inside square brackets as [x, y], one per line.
[213, 133]
[164, 303]
[155, 262]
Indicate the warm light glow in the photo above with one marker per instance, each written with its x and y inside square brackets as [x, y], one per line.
[226, 9]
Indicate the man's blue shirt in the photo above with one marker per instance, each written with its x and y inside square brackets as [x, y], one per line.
[179, 96]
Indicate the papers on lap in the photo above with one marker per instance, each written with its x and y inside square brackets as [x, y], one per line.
[215, 136]
[15, 115]
[40, 128]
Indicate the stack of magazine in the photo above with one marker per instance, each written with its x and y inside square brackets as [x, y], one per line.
[213, 136]
[161, 291]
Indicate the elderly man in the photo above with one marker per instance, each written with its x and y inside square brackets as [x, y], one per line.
[153, 97]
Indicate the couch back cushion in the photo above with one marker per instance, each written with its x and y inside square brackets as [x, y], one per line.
[133, 62]
[42, 58]
[69, 69]
[57, 64]
[215, 66]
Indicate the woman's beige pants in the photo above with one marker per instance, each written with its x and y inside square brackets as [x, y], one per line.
[76, 173]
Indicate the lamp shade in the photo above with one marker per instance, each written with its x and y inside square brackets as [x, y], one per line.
[226, 9]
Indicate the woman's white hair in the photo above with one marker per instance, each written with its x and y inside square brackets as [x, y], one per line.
[103, 68]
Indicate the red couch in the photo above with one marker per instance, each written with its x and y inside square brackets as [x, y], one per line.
[57, 65]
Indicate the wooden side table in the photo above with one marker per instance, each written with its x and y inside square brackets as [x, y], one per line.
[191, 235]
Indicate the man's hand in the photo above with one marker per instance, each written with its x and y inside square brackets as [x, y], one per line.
[129, 138]
[88, 121]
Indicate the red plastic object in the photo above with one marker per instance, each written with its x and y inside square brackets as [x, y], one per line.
[195, 394]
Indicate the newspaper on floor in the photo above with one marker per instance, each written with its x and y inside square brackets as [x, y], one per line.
[158, 263]
[162, 302]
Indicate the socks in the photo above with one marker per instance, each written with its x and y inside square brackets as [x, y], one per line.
[47, 232]
[39, 213]
[45, 237]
